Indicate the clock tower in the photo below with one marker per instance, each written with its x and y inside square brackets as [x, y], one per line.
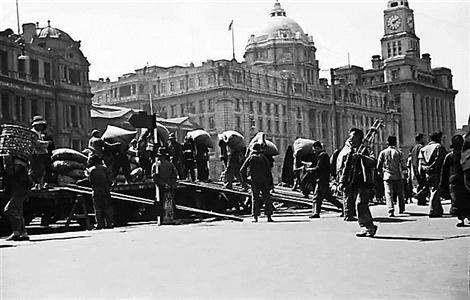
[399, 27]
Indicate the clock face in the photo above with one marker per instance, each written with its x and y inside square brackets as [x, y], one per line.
[409, 21]
[394, 22]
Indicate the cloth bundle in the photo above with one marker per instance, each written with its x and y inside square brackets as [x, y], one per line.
[201, 137]
[269, 147]
[234, 140]
[69, 164]
[303, 147]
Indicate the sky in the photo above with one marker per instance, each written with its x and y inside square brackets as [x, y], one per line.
[119, 36]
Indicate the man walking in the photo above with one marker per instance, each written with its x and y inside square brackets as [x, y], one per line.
[101, 183]
[259, 169]
[431, 159]
[389, 165]
[165, 175]
[322, 174]
[421, 189]
[356, 180]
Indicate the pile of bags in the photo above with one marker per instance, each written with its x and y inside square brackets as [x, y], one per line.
[69, 165]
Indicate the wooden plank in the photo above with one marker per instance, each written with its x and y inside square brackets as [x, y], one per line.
[210, 213]
[213, 187]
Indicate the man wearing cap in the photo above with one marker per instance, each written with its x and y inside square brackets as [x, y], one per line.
[421, 189]
[164, 174]
[176, 154]
[390, 165]
[17, 186]
[321, 173]
[259, 168]
[188, 159]
[431, 158]
[41, 156]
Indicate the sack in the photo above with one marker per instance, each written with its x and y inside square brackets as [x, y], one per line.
[66, 154]
[114, 134]
[269, 147]
[200, 137]
[63, 167]
[234, 140]
[303, 147]
[76, 174]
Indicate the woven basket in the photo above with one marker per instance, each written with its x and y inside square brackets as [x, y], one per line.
[17, 140]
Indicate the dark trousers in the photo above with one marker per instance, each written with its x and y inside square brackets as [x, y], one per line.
[321, 193]
[103, 209]
[122, 162]
[360, 196]
[259, 195]
[188, 170]
[38, 167]
[232, 172]
[145, 162]
[14, 211]
[202, 170]
[422, 190]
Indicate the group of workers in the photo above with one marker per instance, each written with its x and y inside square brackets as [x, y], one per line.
[353, 169]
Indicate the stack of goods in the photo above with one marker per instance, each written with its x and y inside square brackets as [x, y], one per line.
[17, 140]
[69, 165]
[303, 148]
[269, 147]
[234, 140]
[201, 137]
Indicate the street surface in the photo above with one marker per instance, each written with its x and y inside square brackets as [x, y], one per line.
[411, 257]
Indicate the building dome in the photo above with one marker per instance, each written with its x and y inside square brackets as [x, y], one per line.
[51, 32]
[279, 26]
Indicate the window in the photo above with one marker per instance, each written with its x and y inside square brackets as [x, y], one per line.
[252, 123]
[260, 107]
[268, 108]
[191, 83]
[181, 84]
[76, 144]
[34, 66]
[251, 106]
[163, 88]
[211, 105]
[21, 68]
[299, 129]
[276, 126]
[172, 86]
[47, 72]
[237, 105]
[182, 109]
[299, 113]
[202, 121]
[394, 47]
[24, 110]
[238, 122]
[5, 106]
[141, 88]
[34, 107]
[75, 77]
[268, 125]
[211, 122]
[80, 116]
[18, 108]
[260, 124]
[73, 112]
[4, 62]
[154, 89]
[173, 110]
[48, 111]
[276, 109]
[201, 106]
[285, 127]
[284, 110]
[125, 90]
[389, 49]
[199, 81]
[399, 48]
[133, 89]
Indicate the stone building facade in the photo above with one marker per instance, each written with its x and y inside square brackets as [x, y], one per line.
[44, 72]
[423, 96]
[276, 89]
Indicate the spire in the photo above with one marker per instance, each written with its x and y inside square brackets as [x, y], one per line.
[277, 10]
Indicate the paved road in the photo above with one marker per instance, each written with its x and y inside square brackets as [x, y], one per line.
[411, 257]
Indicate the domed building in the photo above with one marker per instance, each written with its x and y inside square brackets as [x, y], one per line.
[283, 46]
[44, 72]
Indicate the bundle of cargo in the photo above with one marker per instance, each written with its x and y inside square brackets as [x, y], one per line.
[201, 137]
[114, 134]
[69, 165]
[303, 148]
[17, 140]
[233, 139]
[269, 147]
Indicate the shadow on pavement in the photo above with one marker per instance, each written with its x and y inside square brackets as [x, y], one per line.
[392, 220]
[407, 238]
[7, 246]
[60, 238]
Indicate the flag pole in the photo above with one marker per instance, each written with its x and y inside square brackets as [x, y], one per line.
[233, 42]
